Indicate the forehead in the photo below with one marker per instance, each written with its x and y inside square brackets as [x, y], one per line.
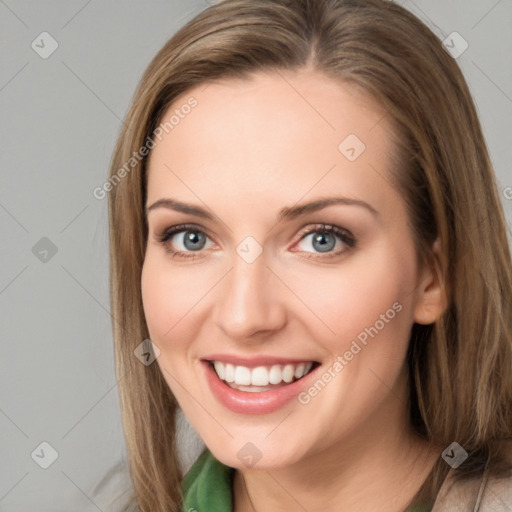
[285, 134]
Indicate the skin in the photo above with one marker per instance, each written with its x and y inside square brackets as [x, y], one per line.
[249, 148]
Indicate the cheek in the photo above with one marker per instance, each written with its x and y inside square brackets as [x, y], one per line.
[153, 299]
[366, 296]
[165, 297]
[168, 294]
[167, 300]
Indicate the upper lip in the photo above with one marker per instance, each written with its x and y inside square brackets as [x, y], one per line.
[253, 362]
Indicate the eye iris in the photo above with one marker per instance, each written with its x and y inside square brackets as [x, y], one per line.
[324, 246]
[193, 237]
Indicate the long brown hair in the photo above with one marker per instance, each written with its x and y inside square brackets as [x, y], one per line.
[461, 366]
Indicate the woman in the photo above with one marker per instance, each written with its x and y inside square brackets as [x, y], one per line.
[304, 222]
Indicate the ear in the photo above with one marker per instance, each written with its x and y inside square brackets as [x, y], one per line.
[430, 294]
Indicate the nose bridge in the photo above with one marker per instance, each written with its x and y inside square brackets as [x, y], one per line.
[248, 302]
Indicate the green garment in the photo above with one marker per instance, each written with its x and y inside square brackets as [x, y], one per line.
[207, 487]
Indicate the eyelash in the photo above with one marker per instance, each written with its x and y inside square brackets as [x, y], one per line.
[344, 235]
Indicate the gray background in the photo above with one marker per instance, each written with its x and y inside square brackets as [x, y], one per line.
[61, 116]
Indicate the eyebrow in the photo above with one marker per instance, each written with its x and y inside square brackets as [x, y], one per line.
[286, 213]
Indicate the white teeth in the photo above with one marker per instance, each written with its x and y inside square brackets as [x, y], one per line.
[299, 371]
[260, 376]
[229, 373]
[250, 389]
[288, 373]
[275, 376]
[219, 368]
[242, 376]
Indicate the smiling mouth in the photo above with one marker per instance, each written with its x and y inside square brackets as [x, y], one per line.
[261, 378]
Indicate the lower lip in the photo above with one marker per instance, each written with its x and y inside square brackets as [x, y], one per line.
[245, 402]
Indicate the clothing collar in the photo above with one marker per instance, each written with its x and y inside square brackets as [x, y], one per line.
[207, 485]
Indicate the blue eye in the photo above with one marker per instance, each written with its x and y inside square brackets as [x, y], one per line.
[193, 239]
[324, 238]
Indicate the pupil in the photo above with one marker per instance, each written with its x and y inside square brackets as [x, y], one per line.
[324, 246]
[193, 238]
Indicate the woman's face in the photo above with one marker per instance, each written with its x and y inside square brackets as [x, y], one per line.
[261, 287]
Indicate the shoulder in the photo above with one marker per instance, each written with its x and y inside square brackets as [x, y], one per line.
[489, 493]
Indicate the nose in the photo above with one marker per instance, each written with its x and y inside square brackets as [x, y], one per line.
[251, 301]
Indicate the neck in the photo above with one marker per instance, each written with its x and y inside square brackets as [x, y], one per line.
[379, 467]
